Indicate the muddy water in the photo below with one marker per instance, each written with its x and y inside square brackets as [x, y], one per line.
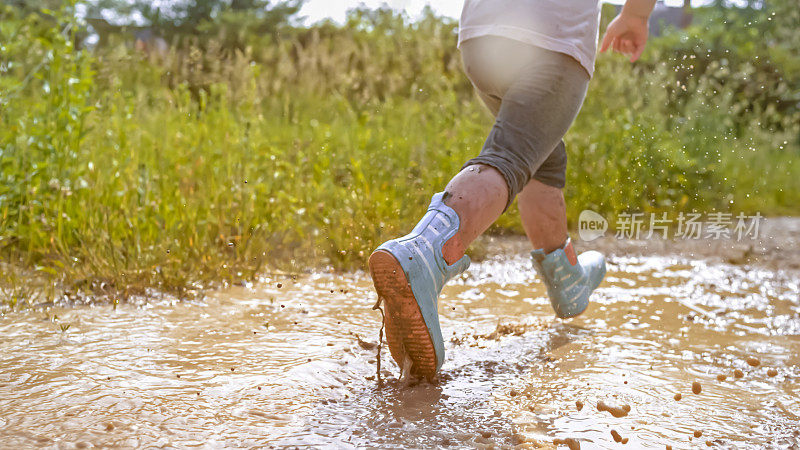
[277, 364]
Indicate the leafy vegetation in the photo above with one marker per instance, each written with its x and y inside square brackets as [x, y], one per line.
[122, 171]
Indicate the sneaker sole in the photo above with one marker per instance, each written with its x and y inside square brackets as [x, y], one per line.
[406, 332]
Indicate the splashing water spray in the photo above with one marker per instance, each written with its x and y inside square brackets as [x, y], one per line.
[380, 341]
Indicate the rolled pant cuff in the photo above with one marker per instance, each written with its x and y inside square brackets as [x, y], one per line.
[507, 174]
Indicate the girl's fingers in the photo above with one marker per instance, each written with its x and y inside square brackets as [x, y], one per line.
[626, 46]
[608, 38]
[637, 53]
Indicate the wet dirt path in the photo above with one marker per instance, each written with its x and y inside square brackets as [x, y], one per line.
[277, 364]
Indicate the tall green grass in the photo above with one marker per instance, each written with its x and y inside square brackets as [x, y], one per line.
[122, 173]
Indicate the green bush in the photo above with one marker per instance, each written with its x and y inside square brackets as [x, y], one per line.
[121, 172]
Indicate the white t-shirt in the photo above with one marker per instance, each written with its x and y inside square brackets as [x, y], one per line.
[564, 26]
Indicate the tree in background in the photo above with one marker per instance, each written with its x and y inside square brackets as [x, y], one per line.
[231, 23]
[687, 13]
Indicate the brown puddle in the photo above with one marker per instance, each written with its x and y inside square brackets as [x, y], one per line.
[295, 365]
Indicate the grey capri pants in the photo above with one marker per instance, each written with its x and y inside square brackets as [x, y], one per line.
[535, 95]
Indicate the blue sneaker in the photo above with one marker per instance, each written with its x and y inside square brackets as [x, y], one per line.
[570, 280]
[409, 273]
